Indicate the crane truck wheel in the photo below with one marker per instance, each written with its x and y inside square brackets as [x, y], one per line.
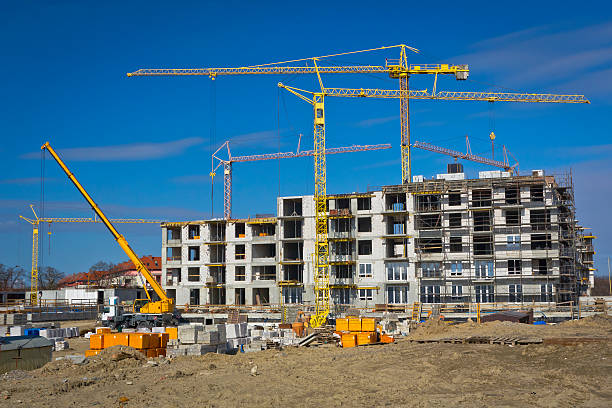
[144, 325]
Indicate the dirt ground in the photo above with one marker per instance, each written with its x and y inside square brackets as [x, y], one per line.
[400, 374]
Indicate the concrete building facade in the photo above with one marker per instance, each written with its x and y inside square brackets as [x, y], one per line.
[498, 238]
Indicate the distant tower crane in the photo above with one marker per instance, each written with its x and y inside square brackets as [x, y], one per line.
[227, 164]
[35, 223]
[469, 156]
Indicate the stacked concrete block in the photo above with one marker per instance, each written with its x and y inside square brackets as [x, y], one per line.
[15, 319]
[16, 330]
[188, 334]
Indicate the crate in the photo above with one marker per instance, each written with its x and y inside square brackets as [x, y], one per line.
[342, 324]
[97, 342]
[91, 353]
[118, 339]
[366, 338]
[140, 341]
[385, 338]
[354, 324]
[349, 340]
[103, 330]
[368, 324]
[164, 339]
[150, 353]
[172, 332]
[155, 340]
[161, 352]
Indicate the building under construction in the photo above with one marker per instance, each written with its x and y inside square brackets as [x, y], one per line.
[500, 238]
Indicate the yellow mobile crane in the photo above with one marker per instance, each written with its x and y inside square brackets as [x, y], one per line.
[146, 312]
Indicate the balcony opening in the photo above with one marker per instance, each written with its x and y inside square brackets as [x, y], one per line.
[240, 296]
[343, 271]
[364, 203]
[364, 224]
[429, 245]
[341, 225]
[364, 247]
[456, 244]
[482, 221]
[513, 218]
[513, 195]
[292, 207]
[539, 220]
[174, 234]
[261, 296]
[193, 274]
[193, 232]
[173, 276]
[536, 193]
[454, 199]
[396, 248]
[454, 220]
[293, 251]
[194, 253]
[239, 230]
[264, 272]
[240, 273]
[240, 252]
[430, 221]
[264, 251]
[343, 204]
[292, 229]
[173, 254]
[217, 231]
[264, 230]
[483, 244]
[540, 266]
[217, 254]
[540, 241]
[427, 202]
[293, 273]
[481, 198]
[395, 202]
[216, 275]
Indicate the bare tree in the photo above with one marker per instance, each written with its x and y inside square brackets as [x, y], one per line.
[12, 277]
[101, 266]
[49, 277]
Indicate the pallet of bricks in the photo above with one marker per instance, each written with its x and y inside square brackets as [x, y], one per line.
[197, 339]
[149, 344]
[360, 331]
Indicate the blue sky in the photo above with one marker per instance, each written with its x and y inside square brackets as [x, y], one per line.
[142, 146]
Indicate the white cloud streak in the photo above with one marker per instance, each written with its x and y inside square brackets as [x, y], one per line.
[126, 152]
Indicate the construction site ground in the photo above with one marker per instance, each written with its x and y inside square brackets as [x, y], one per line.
[575, 372]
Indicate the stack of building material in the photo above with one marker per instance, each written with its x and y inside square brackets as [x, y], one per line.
[149, 344]
[15, 319]
[355, 331]
[194, 340]
[236, 335]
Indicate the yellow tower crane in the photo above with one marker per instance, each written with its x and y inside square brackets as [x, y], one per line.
[35, 223]
[397, 69]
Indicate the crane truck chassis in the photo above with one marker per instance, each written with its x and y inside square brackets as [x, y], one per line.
[115, 317]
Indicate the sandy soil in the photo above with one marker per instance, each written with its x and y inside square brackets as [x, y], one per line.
[400, 374]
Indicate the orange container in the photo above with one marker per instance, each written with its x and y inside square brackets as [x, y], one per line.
[140, 340]
[164, 339]
[172, 332]
[150, 353]
[103, 330]
[349, 340]
[342, 324]
[354, 324]
[119, 339]
[155, 340]
[90, 353]
[385, 338]
[365, 338]
[298, 328]
[368, 324]
[161, 351]
[96, 342]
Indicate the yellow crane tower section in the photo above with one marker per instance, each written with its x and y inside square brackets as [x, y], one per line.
[165, 304]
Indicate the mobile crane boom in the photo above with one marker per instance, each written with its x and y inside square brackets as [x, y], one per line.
[165, 304]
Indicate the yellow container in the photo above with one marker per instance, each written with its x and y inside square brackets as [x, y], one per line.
[140, 340]
[349, 340]
[155, 340]
[172, 332]
[368, 324]
[354, 324]
[103, 330]
[366, 338]
[342, 324]
[96, 342]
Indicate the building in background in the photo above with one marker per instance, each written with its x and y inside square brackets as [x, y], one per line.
[499, 238]
[123, 275]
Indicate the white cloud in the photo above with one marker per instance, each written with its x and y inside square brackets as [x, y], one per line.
[126, 152]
